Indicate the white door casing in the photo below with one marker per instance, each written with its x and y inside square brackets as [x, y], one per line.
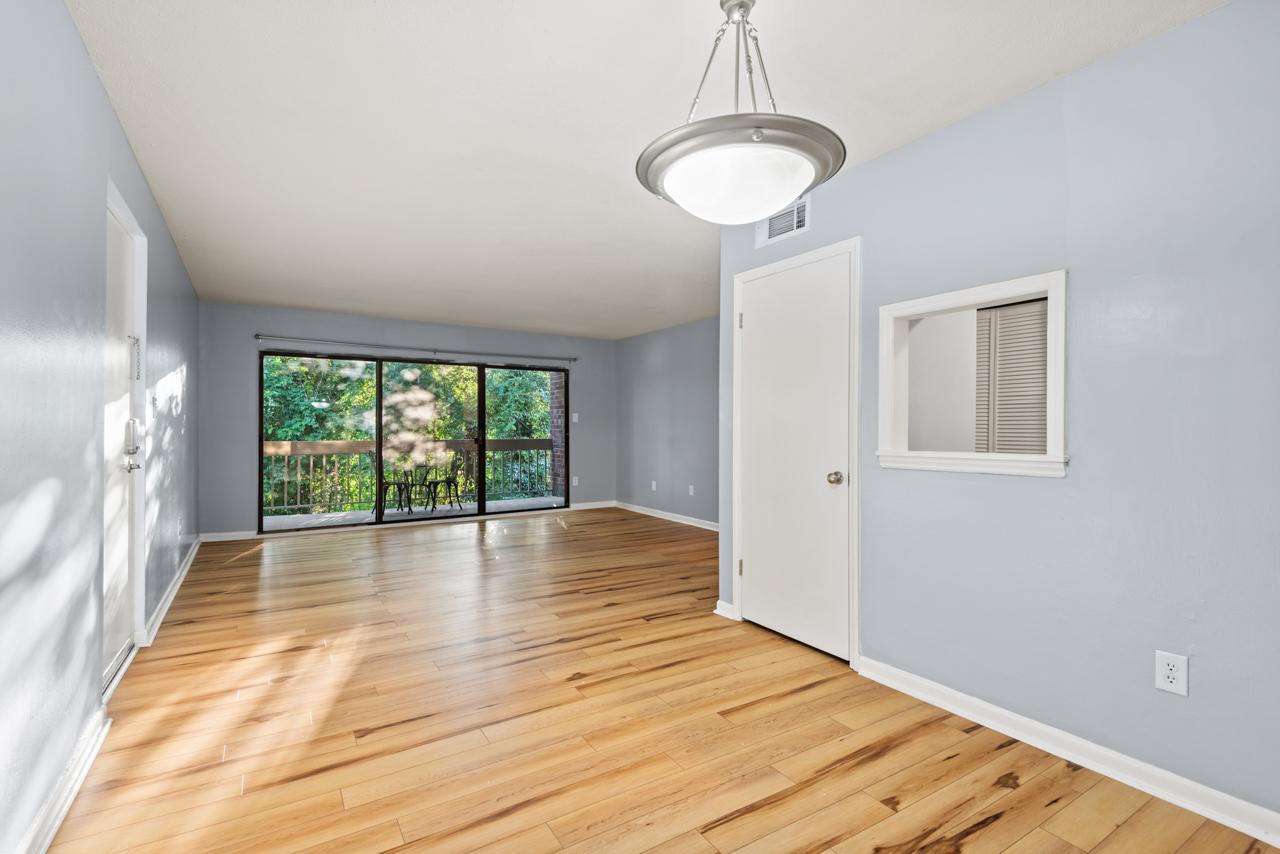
[117, 588]
[123, 441]
[794, 423]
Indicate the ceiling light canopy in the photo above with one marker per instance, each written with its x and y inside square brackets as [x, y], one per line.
[740, 167]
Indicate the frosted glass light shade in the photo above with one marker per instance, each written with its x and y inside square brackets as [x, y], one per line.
[740, 167]
[736, 184]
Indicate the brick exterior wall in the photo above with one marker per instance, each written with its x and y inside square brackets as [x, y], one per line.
[559, 463]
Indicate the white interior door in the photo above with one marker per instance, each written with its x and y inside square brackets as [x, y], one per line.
[117, 590]
[794, 448]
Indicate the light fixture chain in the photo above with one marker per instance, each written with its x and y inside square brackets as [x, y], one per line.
[693, 108]
[751, 80]
[737, 60]
[754, 35]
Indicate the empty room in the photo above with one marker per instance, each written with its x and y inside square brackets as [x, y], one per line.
[686, 426]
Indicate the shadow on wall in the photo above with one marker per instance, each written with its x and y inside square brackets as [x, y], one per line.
[167, 428]
[49, 592]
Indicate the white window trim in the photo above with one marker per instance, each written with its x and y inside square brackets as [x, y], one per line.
[894, 321]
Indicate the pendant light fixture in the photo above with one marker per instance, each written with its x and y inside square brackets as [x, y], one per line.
[740, 167]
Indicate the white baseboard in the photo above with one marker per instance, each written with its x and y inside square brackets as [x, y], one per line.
[728, 610]
[227, 536]
[670, 517]
[1248, 818]
[40, 835]
[119, 677]
[154, 621]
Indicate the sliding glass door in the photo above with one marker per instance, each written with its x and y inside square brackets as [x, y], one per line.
[351, 441]
[524, 439]
[319, 435]
[430, 440]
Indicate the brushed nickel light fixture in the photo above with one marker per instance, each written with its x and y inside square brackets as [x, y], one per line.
[739, 167]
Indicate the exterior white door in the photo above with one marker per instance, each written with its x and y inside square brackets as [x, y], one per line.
[117, 591]
[794, 447]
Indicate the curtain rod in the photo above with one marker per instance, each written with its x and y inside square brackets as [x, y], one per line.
[433, 351]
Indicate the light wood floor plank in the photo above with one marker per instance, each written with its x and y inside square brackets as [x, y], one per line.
[1096, 813]
[534, 684]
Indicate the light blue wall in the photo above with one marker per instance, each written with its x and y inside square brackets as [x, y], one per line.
[667, 410]
[229, 395]
[1153, 176]
[60, 141]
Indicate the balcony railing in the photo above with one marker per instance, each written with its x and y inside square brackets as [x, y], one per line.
[318, 477]
[519, 468]
[339, 476]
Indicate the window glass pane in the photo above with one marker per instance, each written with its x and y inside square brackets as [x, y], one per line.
[526, 459]
[430, 424]
[318, 431]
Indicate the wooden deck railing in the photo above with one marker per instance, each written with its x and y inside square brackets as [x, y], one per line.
[341, 475]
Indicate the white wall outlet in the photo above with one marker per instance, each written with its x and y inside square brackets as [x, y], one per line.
[691, 489]
[575, 480]
[574, 418]
[653, 486]
[1171, 672]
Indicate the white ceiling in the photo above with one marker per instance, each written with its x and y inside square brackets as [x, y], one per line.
[472, 162]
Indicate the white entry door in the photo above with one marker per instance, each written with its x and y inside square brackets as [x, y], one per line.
[794, 446]
[117, 589]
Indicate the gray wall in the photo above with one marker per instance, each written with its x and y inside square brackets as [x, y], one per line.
[229, 395]
[60, 142]
[667, 413]
[1153, 177]
[942, 385]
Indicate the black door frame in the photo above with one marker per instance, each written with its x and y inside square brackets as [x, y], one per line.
[481, 430]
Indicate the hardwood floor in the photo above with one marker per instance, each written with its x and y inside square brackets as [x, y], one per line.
[544, 683]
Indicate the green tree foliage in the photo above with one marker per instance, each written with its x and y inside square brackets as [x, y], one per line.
[315, 399]
[312, 400]
[517, 404]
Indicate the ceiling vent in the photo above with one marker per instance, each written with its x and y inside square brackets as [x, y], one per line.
[792, 219]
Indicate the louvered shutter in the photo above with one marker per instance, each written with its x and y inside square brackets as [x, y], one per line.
[1012, 387]
[984, 417]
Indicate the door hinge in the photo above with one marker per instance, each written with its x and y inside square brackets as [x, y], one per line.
[739, 320]
[739, 566]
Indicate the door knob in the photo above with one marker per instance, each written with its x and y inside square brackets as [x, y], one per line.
[130, 466]
[835, 477]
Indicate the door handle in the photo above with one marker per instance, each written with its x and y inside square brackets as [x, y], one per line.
[131, 466]
[835, 477]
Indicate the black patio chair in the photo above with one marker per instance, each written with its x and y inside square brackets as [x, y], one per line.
[403, 487]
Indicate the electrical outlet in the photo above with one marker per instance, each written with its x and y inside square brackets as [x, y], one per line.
[1171, 672]
[653, 486]
[575, 480]
[691, 489]
[574, 418]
